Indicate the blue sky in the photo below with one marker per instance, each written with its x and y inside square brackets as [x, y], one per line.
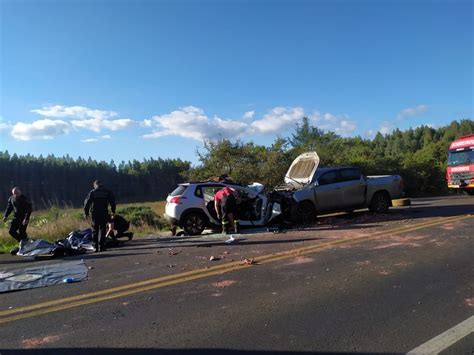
[130, 79]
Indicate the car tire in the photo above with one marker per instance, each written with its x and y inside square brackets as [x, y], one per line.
[303, 212]
[380, 202]
[193, 223]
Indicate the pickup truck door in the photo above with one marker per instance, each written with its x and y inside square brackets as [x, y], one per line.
[353, 187]
[328, 193]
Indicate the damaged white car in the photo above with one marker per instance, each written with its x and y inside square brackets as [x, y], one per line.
[191, 206]
[307, 191]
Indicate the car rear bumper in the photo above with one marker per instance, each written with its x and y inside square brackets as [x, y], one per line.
[171, 220]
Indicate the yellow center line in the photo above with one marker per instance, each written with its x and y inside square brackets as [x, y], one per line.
[125, 290]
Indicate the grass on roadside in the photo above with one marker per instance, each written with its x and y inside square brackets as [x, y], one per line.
[56, 223]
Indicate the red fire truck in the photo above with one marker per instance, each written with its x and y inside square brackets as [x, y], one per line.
[460, 172]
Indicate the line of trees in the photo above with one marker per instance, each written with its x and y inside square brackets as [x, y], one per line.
[63, 181]
[419, 155]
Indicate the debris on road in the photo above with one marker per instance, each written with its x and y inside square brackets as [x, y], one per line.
[70, 280]
[214, 258]
[249, 261]
[224, 283]
[231, 240]
[37, 342]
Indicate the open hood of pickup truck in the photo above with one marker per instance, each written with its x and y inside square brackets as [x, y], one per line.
[303, 168]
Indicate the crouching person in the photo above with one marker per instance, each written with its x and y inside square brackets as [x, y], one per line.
[21, 207]
[118, 227]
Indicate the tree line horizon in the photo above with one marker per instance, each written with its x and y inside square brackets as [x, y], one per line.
[418, 154]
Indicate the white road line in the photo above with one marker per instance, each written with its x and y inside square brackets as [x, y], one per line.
[446, 339]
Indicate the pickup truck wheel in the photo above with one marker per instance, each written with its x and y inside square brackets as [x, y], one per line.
[194, 223]
[303, 213]
[380, 202]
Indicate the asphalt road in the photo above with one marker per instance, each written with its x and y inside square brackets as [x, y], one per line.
[356, 283]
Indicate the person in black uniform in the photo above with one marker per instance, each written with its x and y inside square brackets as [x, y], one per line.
[21, 207]
[98, 201]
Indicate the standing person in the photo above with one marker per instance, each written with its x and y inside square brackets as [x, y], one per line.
[225, 203]
[98, 201]
[21, 207]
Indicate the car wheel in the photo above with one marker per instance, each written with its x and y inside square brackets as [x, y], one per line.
[380, 202]
[303, 213]
[194, 223]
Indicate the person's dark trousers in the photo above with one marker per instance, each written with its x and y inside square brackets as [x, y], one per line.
[99, 225]
[18, 230]
[228, 206]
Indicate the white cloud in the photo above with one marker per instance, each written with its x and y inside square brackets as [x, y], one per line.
[86, 118]
[341, 124]
[147, 123]
[386, 127]
[97, 139]
[248, 115]
[370, 134]
[41, 129]
[412, 111]
[277, 120]
[191, 122]
[97, 124]
[4, 126]
[77, 112]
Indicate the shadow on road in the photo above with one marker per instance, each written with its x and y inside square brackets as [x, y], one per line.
[132, 351]
[427, 210]
[209, 243]
[25, 260]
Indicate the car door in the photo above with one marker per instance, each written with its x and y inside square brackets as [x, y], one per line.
[352, 186]
[328, 192]
[252, 207]
[206, 194]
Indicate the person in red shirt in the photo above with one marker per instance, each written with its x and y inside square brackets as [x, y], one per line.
[225, 203]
